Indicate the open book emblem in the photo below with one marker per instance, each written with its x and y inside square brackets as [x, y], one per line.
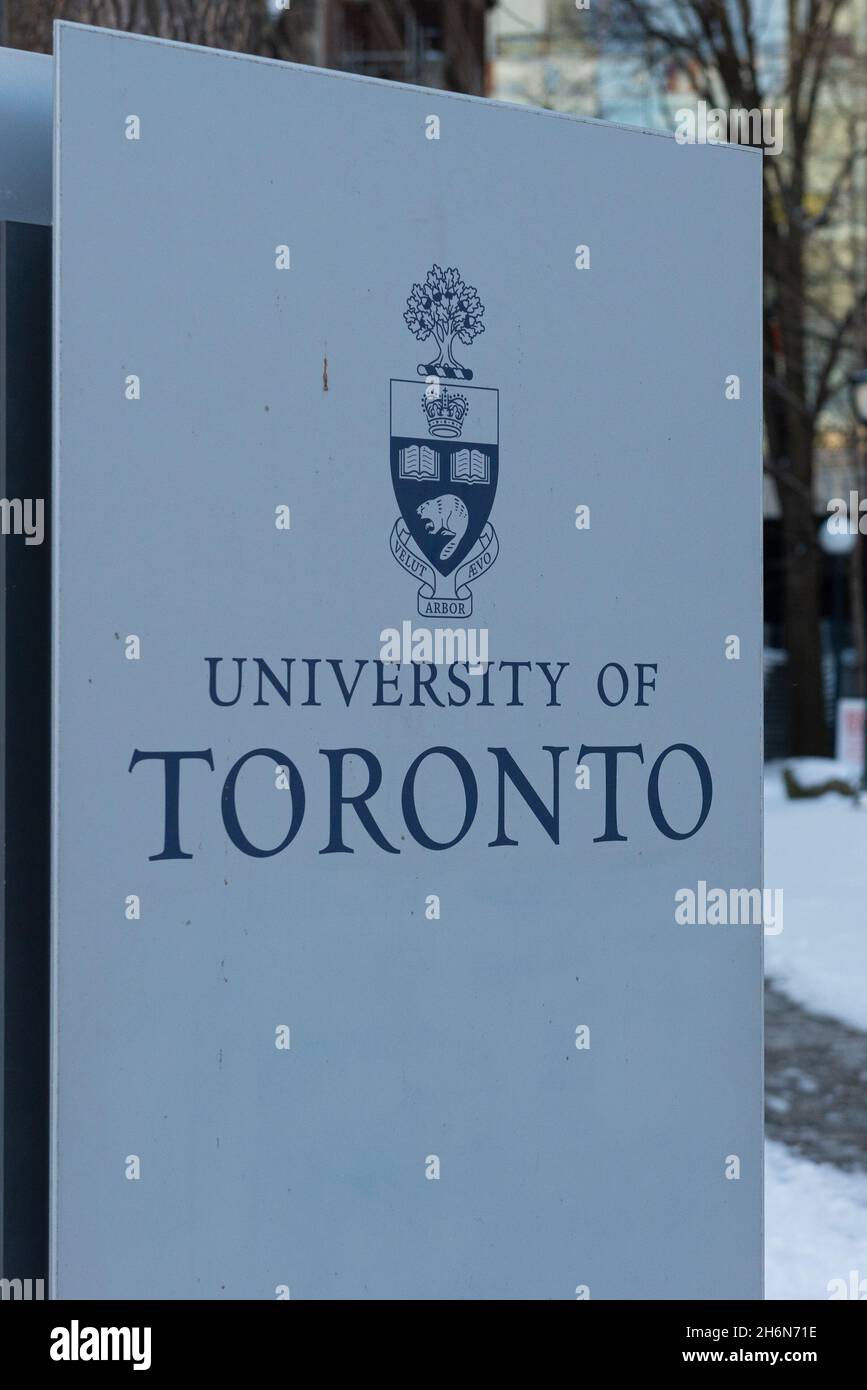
[471, 466]
[418, 461]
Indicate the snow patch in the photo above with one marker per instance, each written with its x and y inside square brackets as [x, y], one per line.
[815, 1226]
[816, 851]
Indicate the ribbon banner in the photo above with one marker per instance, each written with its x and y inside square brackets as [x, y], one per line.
[444, 596]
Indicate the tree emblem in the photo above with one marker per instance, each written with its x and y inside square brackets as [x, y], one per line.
[444, 308]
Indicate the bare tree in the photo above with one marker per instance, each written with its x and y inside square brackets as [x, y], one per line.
[814, 299]
[244, 26]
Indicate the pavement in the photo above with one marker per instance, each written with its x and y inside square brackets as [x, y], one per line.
[815, 1084]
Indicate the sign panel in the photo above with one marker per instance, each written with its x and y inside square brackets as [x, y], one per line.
[25, 137]
[408, 679]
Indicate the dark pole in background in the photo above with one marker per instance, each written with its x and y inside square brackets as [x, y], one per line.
[858, 389]
[25, 670]
[838, 547]
[837, 629]
[25, 659]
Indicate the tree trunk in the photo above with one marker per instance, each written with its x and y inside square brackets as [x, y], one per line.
[791, 435]
[808, 734]
[856, 608]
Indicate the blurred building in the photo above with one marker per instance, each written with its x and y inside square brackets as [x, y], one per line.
[433, 43]
[553, 54]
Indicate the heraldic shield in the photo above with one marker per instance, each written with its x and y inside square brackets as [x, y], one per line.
[444, 467]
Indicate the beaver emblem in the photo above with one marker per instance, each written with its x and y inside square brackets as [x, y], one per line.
[446, 514]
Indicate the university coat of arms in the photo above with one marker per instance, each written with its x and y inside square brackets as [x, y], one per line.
[444, 452]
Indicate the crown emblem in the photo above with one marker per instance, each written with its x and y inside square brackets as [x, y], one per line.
[446, 411]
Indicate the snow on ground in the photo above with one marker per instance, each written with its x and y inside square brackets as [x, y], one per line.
[816, 851]
[815, 1227]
